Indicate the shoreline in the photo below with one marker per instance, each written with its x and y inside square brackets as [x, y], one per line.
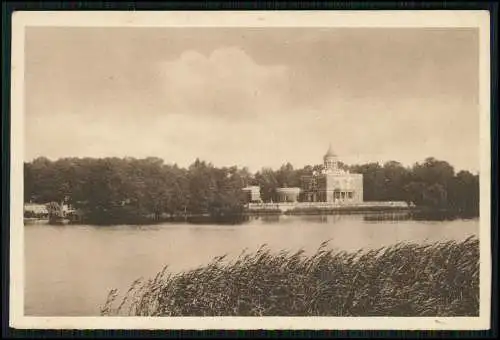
[239, 218]
[307, 207]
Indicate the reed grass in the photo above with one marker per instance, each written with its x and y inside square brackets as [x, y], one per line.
[406, 279]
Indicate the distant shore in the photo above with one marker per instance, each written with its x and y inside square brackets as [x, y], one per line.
[293, 208]
[241, 217]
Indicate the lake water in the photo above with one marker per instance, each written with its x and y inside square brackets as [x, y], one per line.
[70, 269]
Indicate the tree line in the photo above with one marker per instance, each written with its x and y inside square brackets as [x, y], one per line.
[127, 188]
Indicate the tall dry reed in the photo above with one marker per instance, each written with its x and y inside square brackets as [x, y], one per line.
[439, 279]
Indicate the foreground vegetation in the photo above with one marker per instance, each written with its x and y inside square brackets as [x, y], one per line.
[118, 190]
[440, 279]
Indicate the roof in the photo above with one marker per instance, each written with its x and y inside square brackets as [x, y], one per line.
[288, 189]
[330, 152]
[252, 188]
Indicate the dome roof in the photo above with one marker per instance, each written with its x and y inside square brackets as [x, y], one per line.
[330, 152]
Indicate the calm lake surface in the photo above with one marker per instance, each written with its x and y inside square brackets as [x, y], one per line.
[70, 269]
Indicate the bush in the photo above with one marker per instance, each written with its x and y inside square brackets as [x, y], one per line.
[440, 279]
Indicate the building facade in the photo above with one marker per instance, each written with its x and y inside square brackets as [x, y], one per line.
[288, 194]
[332, 184]
[36, 210]
[252, 194]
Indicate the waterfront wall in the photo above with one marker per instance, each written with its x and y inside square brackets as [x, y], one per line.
[326, 206]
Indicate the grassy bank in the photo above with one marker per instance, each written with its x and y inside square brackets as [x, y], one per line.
[440, 279]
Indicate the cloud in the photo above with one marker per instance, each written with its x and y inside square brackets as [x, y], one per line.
[227, 83]
[260, 104]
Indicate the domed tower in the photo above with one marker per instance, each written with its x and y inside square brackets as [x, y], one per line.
[330, 160]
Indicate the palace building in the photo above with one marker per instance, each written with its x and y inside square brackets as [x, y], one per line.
[332, 184]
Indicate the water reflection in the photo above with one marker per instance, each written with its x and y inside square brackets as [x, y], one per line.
[395, 216]
[329, 219]
[263, 218]
[388, 217]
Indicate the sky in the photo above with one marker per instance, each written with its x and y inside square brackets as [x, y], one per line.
[254, 97]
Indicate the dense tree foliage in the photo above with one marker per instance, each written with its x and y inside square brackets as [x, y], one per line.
[113, 189]
[129, 188]
[432, 184]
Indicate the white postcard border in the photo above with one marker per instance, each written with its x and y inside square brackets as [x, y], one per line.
[394, 19]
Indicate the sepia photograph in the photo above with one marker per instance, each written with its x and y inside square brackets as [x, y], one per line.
[186, 170]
